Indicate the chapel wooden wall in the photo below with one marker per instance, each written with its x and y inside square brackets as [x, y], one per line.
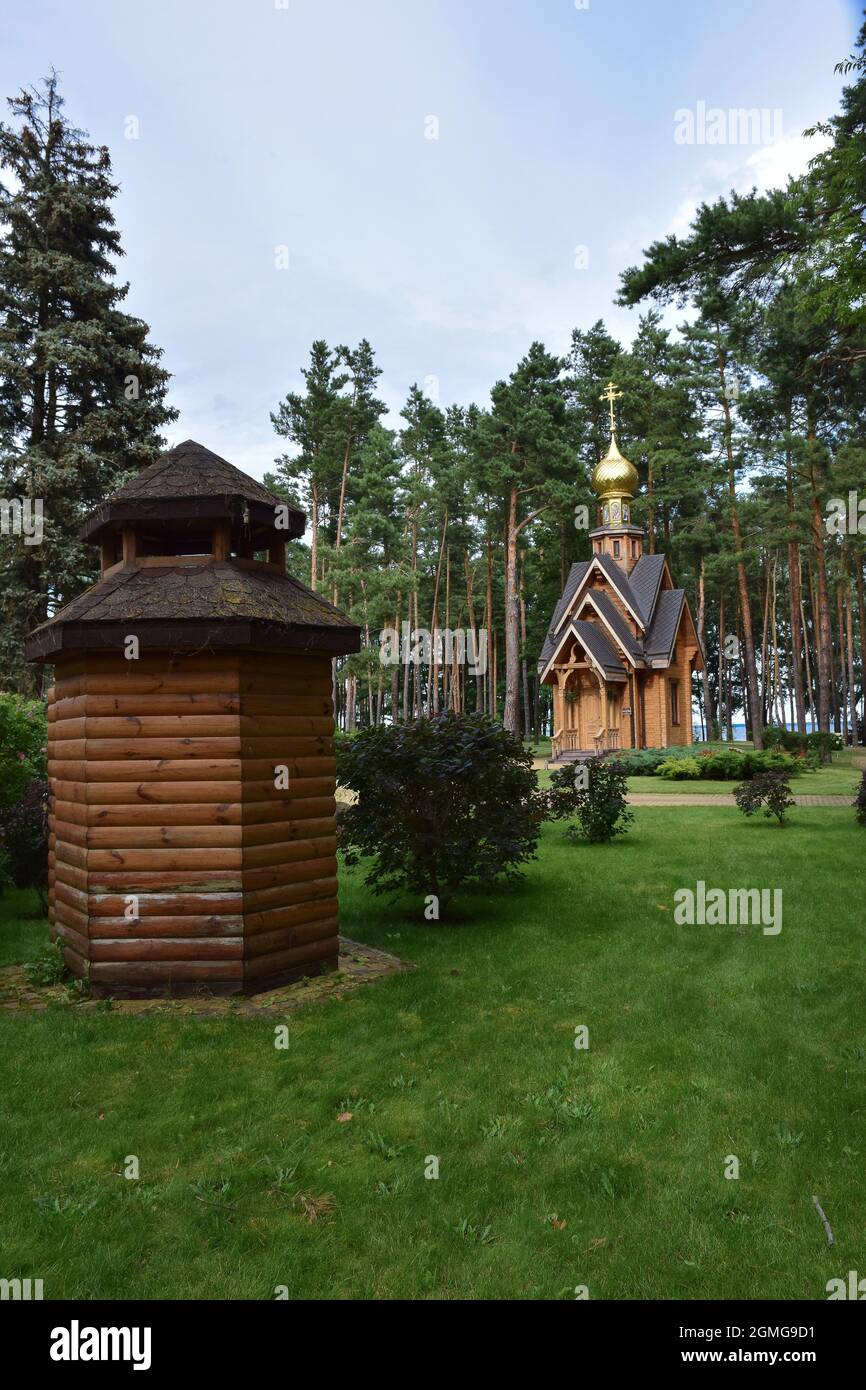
[163, 787]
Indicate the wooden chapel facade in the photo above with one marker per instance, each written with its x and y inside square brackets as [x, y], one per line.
[622, 644]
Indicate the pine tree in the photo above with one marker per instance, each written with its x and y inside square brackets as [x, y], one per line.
[82, 398]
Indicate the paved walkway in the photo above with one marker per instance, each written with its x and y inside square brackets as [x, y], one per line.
[697, 799]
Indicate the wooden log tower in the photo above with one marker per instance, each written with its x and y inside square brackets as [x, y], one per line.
[191, 761]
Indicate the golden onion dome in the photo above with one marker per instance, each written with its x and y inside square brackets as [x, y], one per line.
[615, 476]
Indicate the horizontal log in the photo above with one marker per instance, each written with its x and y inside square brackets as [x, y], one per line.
[72, 812]
[68, 831]
[143, 974]
[155, 905]
[120, 928]
[183, 813]
[259, 777]
[177, 702]
[160, 769]
[149, 881]
[69, 874]
[151, 860]
[282, 747]
[79, 921]
[133, 683]
[75, 897]
[75, 963]
[62, 731]
[318, 874]
[272, 703]
[266, 805]
[76, 855]
[172, 948]
[162, 663]
[118, 749]
[271, 918]
[71, 938]
[150, 793]
[172, 726]
[298, 857]
[262, 856]
[273, 830]
[277, 961]
[125, 837]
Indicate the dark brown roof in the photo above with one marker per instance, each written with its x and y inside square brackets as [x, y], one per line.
[191, 470]
[190, 483]
[228, 604]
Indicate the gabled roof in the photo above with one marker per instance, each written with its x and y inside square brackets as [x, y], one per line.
[621, 582]
[597, 645]
[614, 619]
[666, 620]
[645, 580]
[575, 575]
[657, 613]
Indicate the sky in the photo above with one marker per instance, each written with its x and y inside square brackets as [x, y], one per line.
[450, 179]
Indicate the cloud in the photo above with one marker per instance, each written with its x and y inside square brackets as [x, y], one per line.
[768, 166]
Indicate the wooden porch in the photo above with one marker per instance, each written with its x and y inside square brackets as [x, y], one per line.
[565, 746]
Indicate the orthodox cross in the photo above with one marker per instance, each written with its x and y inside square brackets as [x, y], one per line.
[610, 394]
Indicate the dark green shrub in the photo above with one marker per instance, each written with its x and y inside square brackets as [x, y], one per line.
[442, 803]
[23, 745]
[792, 742]
[600, 806]
[566, 783]
[721, 764]
[680, 769]
[860, 803]
[24, 840]
[645, 762]
[768, 789]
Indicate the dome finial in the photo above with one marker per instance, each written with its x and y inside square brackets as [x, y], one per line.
[610, 394]
[615, 479]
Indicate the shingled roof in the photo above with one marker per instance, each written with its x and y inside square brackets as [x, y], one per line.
[190, 606]
[200, 601]
[645, 579]
[666, 619]
[659, 610]
[190, 483]
[191, 470]
[575, 575]
[596, 643]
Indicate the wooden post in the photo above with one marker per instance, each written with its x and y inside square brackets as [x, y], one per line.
[222, 540]
[129, 545]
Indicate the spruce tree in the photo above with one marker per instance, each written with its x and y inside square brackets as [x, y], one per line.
[82, 398]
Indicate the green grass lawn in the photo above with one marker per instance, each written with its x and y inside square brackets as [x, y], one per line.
[557, 1167]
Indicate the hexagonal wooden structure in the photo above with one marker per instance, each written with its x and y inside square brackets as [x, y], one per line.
[193, 817]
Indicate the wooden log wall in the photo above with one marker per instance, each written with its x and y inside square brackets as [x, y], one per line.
[165, 791]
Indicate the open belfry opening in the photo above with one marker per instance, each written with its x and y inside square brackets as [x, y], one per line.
[191, 756]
